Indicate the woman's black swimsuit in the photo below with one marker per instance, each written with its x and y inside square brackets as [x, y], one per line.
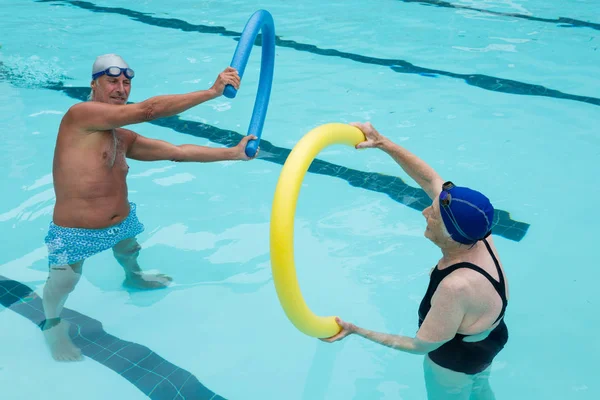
[456, 354]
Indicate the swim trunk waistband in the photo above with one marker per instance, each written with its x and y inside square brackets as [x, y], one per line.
[70, 245]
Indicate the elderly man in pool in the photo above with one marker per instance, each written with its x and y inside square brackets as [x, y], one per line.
[461, 316]
[92, 211]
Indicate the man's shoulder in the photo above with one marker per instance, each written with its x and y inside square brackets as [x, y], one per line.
[79, 114]
[77, 110]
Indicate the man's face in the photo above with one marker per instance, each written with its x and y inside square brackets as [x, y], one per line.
[112, 89]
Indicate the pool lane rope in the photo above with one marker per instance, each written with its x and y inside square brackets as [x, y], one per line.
[282, 225]
[260, 21]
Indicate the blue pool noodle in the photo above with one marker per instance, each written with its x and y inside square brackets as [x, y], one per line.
[262, 21]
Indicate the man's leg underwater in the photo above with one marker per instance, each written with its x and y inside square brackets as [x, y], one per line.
[126, 253]
[62, 279]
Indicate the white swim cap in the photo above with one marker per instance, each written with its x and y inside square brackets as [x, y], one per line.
[108, 60]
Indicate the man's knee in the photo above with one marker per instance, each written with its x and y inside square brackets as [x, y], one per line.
[63, 279]
[127, 248]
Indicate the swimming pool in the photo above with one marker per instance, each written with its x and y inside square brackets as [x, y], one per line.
[502, 95]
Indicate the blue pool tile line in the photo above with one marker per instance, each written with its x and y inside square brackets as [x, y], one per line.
[150, 373]
[563, 22]
[481, 81]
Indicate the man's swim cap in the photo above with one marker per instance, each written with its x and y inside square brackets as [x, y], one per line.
[467, 214]
[108, 60]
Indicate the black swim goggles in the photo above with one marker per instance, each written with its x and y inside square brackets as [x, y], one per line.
[115, 72]
[445, 196]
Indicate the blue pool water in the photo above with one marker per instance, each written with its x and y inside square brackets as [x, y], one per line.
[499, 95]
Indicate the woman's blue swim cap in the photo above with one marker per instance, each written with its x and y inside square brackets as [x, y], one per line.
[467, 214]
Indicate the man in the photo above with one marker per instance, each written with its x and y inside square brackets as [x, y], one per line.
[461, 325]
[92, 211]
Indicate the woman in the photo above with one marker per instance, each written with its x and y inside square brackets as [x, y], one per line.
[461, 316]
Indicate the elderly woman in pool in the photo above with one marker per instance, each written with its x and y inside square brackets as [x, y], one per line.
[461, 316]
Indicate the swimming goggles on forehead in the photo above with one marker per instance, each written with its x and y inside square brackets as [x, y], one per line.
[114, 72]
[445, 201]
[445, 196]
